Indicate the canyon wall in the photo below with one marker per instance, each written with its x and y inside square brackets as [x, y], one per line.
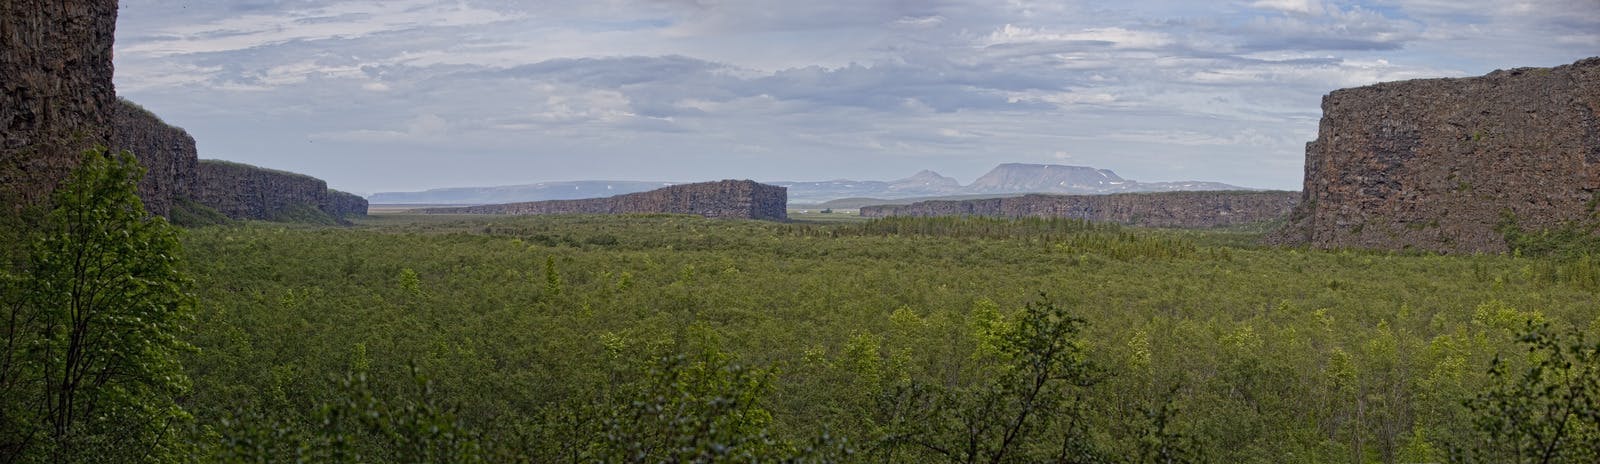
[57, 100]
[55, 92]
[1167, 209]
[728, 198]
[1441, 164]
[341, 204]
[166, 152]
[242, 191]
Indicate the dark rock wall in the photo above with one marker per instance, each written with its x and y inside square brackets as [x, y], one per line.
[1436, 164]
[341, 204]
[55, 91]
[728, 198]
[1168, 209]
[239, 191]
[166, 152]
[242, 191]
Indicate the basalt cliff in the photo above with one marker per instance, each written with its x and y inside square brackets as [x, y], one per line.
[57, 101]
[242, 191]
[55, 92]
[166, 152]
[1166, 209]
[239, 191]
[1447, 164]
[722, 199]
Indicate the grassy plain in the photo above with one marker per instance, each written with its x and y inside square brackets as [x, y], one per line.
[526, 326]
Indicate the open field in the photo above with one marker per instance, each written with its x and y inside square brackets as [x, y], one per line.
[536, 330]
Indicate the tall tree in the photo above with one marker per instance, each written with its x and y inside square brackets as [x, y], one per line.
[90, 364]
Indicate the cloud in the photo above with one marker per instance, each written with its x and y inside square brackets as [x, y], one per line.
[1305, 7]
[700, 89]
[1354, 29]
[334, 21]
[1109, 36]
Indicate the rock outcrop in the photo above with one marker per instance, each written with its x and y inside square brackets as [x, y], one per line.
[242, 191]
[1439, 164]
[342, 204]
[57, 100]
[166, 152]
[239, 191]
[1166, 209]
[722, 199]
[55, 91]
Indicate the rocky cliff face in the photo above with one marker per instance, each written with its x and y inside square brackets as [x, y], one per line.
[728, 198]
[167, 153]
[1438, 164]
[341, 204]
[242, 191]
[1167, 209]
[239, 191]
[55, 91]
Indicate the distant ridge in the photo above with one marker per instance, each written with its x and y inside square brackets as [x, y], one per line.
[1152, 209]
[514, 193]
[1008, 178]
[721, 199]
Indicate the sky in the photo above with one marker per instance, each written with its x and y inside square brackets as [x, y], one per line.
[406, 95]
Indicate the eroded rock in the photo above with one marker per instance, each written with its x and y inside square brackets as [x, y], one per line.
[723, 199]
[1166, 209]
[55, 91]
[166, 152]
[1439, 164]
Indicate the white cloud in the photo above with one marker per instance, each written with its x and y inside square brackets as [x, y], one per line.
[342, 20]
[1115, 36]
[780, 89]
[1291, 6]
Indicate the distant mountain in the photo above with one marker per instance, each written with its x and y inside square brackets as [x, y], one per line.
[1077, 180]
[1009, 178]
[857, 203]
[922, 184]
[924, 180]
[1017, 177]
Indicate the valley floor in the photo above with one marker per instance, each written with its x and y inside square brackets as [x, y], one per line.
[558, 338]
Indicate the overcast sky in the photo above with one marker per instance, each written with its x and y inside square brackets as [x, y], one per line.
[408, 95]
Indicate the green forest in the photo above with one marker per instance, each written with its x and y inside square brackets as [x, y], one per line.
[663, 338]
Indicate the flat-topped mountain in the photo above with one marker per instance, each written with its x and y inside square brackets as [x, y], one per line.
[1009, 178]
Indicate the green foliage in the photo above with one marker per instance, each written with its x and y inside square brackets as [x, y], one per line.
[1203, 351]
[552, 279]
[1580, 238]
[191, 214]
[354, 425]
[1031, 409]
[1544, 408]
[303, 213]
[683, 410]
[1066, 234]
[92, 329]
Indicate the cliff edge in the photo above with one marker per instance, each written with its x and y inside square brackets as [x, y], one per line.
[1443, 164]
[1166, 209]
[725, 199]
[55, 92]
